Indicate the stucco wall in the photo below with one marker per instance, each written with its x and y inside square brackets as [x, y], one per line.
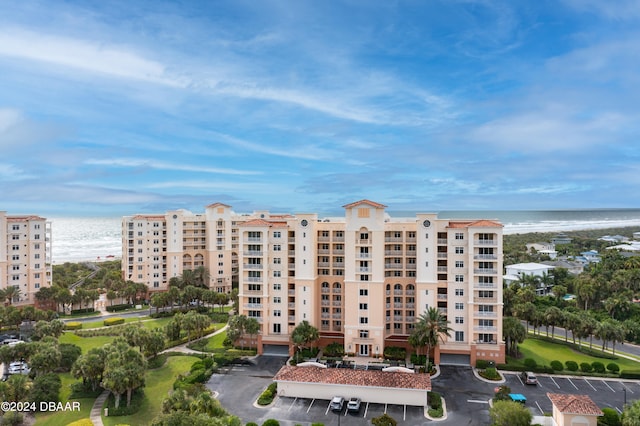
[367, 394]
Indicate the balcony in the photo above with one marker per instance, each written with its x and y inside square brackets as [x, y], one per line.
[486, 285]
[397, 318]
[325, 315]
[253, 279]
[323, 238]
[393, 253]
[485, 314]
[251, 266]
[252, 253]
[323, 264]
[325, 290]
[364, 256]
[253, 240]
[485, 271]
[393, 239]
[291, 292]
[393, 266]
[253, 305]
[292, 318]
[365, 269]
[336, 316]
[291, 305]
[442, 297]
[325, 303]
[336, 303]
[485, 328]
[485, 257]
[442, 241]
[486, 242]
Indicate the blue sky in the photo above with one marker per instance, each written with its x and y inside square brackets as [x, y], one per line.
[125, 107]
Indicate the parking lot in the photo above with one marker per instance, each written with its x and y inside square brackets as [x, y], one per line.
[466, 398]
[317, 410]
[604, 392]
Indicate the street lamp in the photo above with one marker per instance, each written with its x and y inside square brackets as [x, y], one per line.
[625, 397]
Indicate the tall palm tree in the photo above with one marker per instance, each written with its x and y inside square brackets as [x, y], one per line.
[304, 334]
[430, 329]
[202, 277]
[11, 293]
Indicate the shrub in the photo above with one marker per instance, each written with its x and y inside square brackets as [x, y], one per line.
[268, 394]
[490, 373]
[46, 388]
[557, 365]
[434, 400]
[252, 424]
[82, 311]
[502, 393]
[69, 353]
[271, 422]
[113, 321]
[613, 367]
[73, 325]
[630, 374]
[395, 353]
[585, 367]
[610, 417]
[482, 364]
[334, 349]
[116, 308]
[571, 365]
[530, 363]
[598, 367]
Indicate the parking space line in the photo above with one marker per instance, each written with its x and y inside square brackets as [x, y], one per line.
[539, 408]
[589, 383]
[291, 406]
[385, 408]
[311, 405]
[554, 381]
[327, 410]
[521, 382]
[574, 385]
[626, 387]
[607, 384]
[365, 410]
[404, 417]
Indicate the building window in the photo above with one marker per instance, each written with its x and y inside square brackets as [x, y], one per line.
[277, 313]
[459, 292]
[364, 292]
[459, 320]
[277, 247]
[459, 264]
[364, 277]
[277, 234]
[459, 250]
[459, 306]
[364, 320]
[459, 336]
[277, 274]
[364, 306]
[277, 261]
[277, 329]
[459, 278]
[277, 286]
[459, 236]
[364, 334]
[277, 299]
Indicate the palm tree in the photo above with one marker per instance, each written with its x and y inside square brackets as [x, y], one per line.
[513, 332]
[202, 277]
[430, 329]
[553, 316]
[304, 334]
[11, 293]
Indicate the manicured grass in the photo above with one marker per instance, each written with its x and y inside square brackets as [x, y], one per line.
[215, 342]
[146, 322]
[85, 343]
[158, 384]
[544, 352]
[63, 418]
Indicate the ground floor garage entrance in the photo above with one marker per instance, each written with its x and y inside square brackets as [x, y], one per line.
[455, 359]
[275, 350]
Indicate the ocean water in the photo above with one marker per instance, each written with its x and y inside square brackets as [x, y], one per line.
[99, 238]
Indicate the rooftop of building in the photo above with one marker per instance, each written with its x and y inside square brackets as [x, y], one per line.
[346, 376]
[574, 404]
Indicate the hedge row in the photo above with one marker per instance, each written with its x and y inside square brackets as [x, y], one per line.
[266, 397]
[113, 321]
[598, 367]
[82, 311]
[73, 325]
[120, 307]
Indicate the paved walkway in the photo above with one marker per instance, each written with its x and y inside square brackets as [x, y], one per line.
[96, 411]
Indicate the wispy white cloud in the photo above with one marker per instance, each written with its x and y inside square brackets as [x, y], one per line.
[163, 165]
[92, 56]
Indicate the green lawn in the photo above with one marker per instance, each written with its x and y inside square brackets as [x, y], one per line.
[158, 384]
[63, 418]
[146, 322]
[544, 352]
[85, 343]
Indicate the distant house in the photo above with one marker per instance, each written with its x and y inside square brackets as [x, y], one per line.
[574, 268]
[636, 235]
[519, 270]
[586, 257]
[561, 238]
[548, 249]
[574, 410]
[633, 246]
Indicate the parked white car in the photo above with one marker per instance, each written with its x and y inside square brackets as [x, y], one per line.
[19, 368]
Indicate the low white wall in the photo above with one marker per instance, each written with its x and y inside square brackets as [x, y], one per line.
[415, 397]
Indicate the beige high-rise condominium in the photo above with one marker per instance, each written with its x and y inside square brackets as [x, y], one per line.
[361, 279]
[25, 256]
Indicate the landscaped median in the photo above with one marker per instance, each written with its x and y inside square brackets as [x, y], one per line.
[542, 355]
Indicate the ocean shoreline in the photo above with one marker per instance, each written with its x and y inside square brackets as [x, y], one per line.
[533, 228]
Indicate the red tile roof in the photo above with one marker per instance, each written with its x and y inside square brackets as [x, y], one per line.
[218, 205]
[371, 203]
[23, 218]
[256, 222]
[347, 376]
[475, 224]
[574, 404]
